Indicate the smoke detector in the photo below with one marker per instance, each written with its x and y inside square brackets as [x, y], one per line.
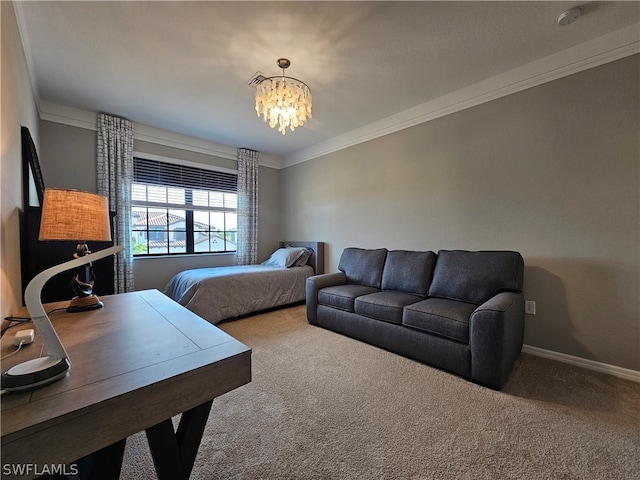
[569, 16]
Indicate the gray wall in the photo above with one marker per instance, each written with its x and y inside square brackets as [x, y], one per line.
[17, 108]
[68, 160]
[552, 172]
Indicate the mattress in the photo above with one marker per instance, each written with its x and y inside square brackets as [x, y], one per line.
[220, 293]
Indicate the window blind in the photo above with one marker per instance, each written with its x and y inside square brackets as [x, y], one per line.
[154, 172]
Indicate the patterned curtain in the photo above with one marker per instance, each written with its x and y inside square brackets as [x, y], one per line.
[247, 248]
[115, 174]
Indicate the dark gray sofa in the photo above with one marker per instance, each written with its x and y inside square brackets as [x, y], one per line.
[457, 310]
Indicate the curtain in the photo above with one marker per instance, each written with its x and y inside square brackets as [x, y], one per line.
[247, 247]
[114, 175]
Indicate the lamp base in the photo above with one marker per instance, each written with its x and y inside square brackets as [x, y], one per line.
[34, 374]
[82, 304]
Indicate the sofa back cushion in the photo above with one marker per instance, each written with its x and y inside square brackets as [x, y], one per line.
[475, 277]
[363, 267]
[408, 272]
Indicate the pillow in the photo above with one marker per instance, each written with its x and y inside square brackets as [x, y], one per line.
[363, 267]
[304, 258]
[408, 271]
[475, 277]
[285, 257]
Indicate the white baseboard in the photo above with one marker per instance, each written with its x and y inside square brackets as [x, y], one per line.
[619, 372]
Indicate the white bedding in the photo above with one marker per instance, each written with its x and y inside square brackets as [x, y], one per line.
[220, 293]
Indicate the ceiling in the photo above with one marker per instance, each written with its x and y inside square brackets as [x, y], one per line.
[185, 66]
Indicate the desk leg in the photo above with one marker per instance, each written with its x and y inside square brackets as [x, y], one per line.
[104, 464]
[174, 453]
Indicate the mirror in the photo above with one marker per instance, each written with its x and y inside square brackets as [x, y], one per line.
[32, 181]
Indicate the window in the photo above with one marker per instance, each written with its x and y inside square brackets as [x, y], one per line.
[180, 209]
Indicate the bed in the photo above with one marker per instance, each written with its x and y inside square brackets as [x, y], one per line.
[221, 293]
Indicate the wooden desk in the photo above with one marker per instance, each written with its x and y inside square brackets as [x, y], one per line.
[135, 363]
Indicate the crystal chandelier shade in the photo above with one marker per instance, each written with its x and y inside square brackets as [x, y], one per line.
[283, 101]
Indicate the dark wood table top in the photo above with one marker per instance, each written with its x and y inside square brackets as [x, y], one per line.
[140, 360]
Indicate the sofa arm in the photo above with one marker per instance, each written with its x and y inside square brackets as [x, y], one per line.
[316, 283]
[495, 337]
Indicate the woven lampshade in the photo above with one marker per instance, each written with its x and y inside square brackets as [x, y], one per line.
[74, 215]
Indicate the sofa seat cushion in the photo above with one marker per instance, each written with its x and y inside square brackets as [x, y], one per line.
[343, 296]
[386, 306]
[440, 316]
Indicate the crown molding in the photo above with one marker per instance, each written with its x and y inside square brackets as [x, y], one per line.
[601, 50]
[86, 119]
[26, 49]
[149, 134]
[74, 117]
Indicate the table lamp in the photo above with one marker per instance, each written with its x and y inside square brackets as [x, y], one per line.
[80, 216]
[66, 214]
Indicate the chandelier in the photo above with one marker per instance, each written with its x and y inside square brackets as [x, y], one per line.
[283, 101]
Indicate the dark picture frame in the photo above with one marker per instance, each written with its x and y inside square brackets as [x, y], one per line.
[32, 180]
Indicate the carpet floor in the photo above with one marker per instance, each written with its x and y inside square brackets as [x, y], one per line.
[324, 406]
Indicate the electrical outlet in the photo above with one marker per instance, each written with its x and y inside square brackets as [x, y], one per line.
[530, 307]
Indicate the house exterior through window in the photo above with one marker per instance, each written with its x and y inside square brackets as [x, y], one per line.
[182, 209]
